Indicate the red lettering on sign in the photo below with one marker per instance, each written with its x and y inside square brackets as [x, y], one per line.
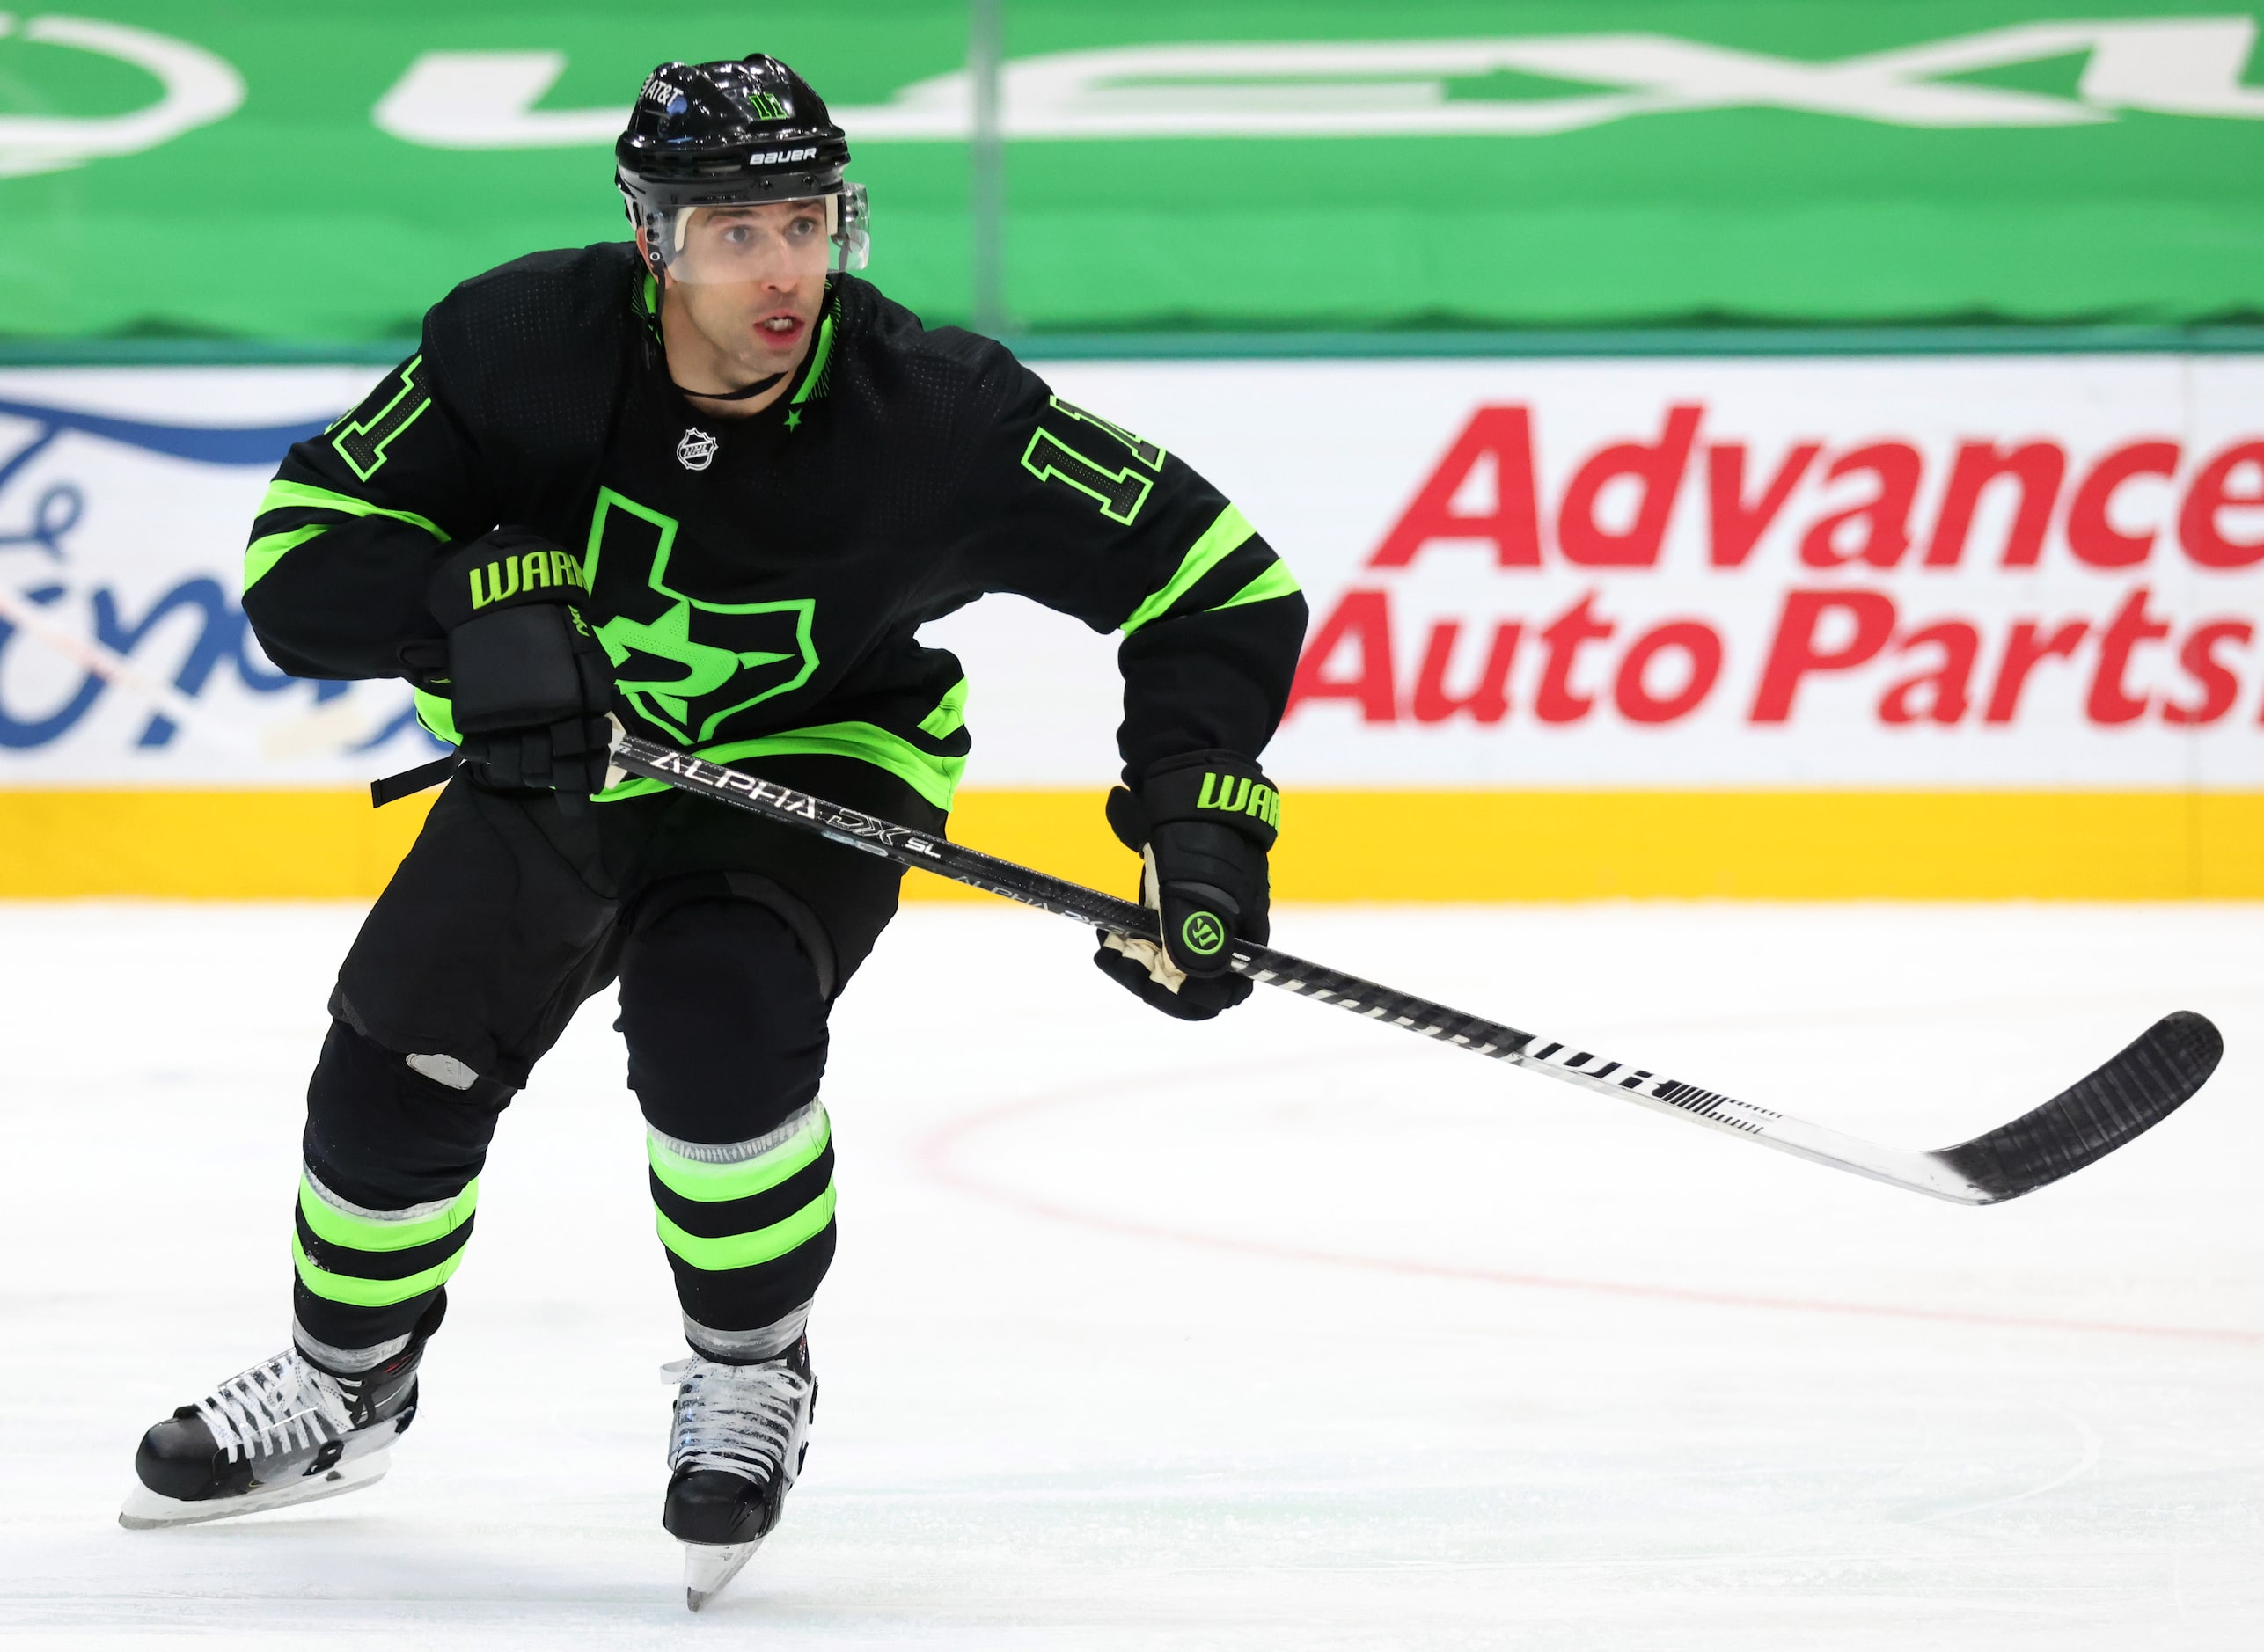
[2037, 466]
[1738, 526]
[1488, 701]
[2109, 702]
[1656, 467]
[1699, 644]
[1795, 653]
[2205, 541]
[2026, 649]
[1884, 516]
[1500, 438]
[1950, 682]
[2091, 535]
[2219, 687]
[1556, 703]
[1363, 619]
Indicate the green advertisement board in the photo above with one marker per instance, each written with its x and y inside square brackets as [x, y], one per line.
[258, 170]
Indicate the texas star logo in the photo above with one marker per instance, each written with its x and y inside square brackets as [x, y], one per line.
[687, 665]
[697, 450]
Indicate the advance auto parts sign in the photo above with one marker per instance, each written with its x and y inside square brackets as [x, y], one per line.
[2020, 572]
[1934, 573]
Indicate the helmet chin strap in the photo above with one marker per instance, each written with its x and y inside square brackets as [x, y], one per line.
[742, 393]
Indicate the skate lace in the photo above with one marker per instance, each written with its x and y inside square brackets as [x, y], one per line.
[741, 1419]
[280, 1404]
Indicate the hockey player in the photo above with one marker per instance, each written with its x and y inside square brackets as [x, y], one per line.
[713, 483]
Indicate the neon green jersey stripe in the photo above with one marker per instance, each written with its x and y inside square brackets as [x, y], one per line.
[437, 713]
[1277, 580]
[264, 552]
[711, 1184]
[934, 779]
[296, 495]
[359, 1232]
[817, 354]
[949, 715]
[1221, 537]
[367, 1293]
[745, 1250]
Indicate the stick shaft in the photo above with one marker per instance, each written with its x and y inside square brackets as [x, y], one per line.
[2109, 1107]
[1262, 964]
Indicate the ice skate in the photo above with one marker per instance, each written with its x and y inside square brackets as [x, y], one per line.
[740, 1435]
[284, 1432]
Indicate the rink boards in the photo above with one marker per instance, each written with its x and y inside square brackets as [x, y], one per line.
[1904, 627]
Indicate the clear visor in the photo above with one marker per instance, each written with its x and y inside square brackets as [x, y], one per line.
[760, 241]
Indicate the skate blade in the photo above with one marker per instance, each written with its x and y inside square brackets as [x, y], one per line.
[146, 1511]
[707, 1566]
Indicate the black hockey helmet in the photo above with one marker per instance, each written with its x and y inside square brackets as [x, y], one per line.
[731, 134]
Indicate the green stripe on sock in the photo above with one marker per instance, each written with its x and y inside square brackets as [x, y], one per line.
[746, 1250]
[712, 1184]
[361, 1233]
[367, 1293]
[1219, 540]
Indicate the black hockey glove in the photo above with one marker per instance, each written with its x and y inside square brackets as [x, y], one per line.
[1202, 825]
[529, 686]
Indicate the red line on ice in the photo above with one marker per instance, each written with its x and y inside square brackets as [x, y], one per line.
[936, 1154]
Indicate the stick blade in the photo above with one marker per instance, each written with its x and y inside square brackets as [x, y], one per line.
[2149, 1080]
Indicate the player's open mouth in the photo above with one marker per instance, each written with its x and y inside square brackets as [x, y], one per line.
[779, 328]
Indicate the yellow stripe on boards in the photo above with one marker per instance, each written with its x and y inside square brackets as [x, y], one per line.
[1402, 846]
[1060, 832]
[1343, 846]
[299, 845]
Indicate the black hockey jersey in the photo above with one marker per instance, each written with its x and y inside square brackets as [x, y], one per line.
[757, 582]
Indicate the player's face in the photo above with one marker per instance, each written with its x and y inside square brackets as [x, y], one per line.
[752, 278]
[723, 246]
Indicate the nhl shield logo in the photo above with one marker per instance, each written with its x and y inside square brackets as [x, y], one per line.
[697, 450]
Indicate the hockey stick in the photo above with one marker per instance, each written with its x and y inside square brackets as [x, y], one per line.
[2087, 1122]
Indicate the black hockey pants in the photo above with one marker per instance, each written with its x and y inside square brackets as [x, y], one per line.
[730, 936]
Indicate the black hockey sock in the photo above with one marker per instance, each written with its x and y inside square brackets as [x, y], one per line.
[725, 1021]
[386, 1199]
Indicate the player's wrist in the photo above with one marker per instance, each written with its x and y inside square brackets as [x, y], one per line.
[1212, 788]
[1215, 788]
[528, 684]
[506, 568]
[1204, 822]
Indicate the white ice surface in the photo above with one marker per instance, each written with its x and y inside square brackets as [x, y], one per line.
[1287, 1332]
